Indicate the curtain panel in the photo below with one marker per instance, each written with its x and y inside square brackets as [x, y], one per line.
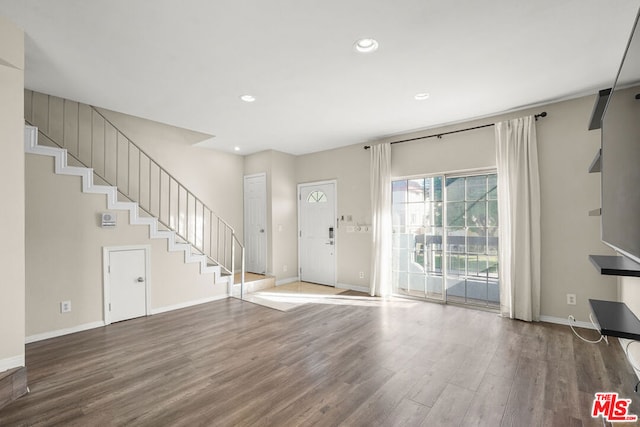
[519, 213]
[381, 219]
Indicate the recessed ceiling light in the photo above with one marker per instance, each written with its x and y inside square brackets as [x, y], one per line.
[248, 98]
[236, 148]
[421, 96]
[366, 45]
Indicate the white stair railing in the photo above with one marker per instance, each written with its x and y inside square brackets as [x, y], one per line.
[117, 161]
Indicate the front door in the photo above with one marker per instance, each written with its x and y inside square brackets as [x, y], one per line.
[126, 290]
[317, 233]
[255, 223]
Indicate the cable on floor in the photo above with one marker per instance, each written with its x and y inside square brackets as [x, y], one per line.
[602, 337]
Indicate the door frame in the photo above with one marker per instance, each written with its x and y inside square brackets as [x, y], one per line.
[335, 219]
[106, 288]
[267, 227]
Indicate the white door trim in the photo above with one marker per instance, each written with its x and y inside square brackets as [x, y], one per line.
[106, 290]
[267, 227]
[335, 218]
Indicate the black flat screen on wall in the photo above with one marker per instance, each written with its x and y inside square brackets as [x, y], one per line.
[621, 156]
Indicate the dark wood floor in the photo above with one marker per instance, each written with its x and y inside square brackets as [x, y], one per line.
[232, 363]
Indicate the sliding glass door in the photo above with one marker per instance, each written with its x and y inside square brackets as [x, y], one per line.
[445, 238]
[417, 237]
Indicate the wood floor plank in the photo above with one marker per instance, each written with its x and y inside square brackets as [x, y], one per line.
[234, 363]
[407, 413]
[450, 408]
[524, 406]
[488, 405]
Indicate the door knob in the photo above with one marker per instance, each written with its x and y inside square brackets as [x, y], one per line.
[262, 230]
[140, 279]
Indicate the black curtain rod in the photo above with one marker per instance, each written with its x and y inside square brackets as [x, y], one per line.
[440, 135]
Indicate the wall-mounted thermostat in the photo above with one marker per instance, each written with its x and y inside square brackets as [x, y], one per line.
[108, 219]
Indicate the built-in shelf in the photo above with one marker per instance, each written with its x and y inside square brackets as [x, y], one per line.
[595, 164]
[615, 265]
[615, 319]
[595, 212]
[598, 109]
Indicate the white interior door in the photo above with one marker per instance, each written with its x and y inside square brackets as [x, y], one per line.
[255, 223]
[317, 234]
[126, 290]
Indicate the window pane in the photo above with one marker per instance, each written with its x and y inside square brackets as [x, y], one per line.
[399, 191]
[316, 197]
[477, 187]
[416, 284]
[428, 189]
[492, 219]
[435, 218]
[404, 240]
[456, 240]
[455, 189]
[399, 213]
[476, 214]
[434, 287]
[415, 214]
[456, 264]
[492, 240]
[437, 188]
[493, 187]
[492, 266]
[476, 240]
[416, 190]
[471, 226]
[455, 214]
[475, 264]
[476, 291]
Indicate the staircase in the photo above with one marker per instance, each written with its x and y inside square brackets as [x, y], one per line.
[132, 181]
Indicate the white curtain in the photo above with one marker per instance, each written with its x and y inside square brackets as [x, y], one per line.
[381, 223]
[519, 213]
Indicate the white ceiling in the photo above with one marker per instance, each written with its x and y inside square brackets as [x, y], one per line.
[186, 62]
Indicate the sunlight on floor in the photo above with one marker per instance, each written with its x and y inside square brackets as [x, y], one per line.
[287, 297]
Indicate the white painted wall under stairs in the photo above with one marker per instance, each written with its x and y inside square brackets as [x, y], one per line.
[174, 245]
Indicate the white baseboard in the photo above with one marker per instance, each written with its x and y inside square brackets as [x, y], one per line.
[93, 325]
[287, 281]
[356, 288]
[61, 332]
[188, 304]
[563, 321]
[12, 362]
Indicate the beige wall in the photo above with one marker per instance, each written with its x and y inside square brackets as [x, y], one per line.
[64, 244]
[259, 163]
[213, 176]
[284, 214]
[12, 265]
[568, 192]
[349, 166]
[282, 255]
[64, 239]
[566, 148]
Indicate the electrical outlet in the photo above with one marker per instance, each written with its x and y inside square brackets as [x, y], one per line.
[571, 299]
[65, 306]
[362, 274]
